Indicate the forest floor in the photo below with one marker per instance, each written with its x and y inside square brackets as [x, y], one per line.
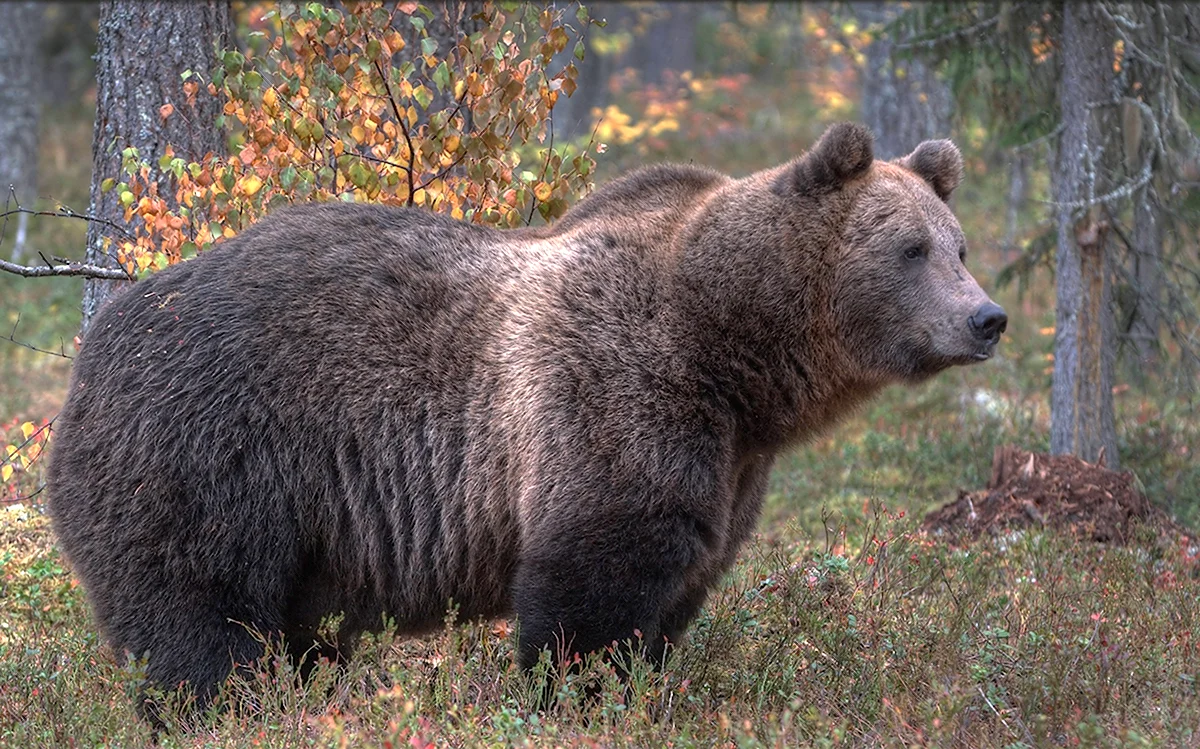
[1025, 636]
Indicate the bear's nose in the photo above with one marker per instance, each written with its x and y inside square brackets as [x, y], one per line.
[989, 321]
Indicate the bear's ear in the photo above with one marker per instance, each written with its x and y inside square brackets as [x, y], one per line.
[845, 151]
[939, 163]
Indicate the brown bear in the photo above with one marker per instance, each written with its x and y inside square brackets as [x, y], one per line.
[374, 411]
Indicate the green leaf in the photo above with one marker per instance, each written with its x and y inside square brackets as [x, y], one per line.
[423, 96]
[358, 174]
[254, 79]
[287, 177]
[441, 76]
[107, 185]
[429, 45]
[232, 61]
[579, 50]
[374, 48]
[417, 22]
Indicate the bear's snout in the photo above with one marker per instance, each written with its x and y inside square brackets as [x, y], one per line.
[988, 322]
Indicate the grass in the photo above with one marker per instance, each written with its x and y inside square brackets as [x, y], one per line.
[884, 637]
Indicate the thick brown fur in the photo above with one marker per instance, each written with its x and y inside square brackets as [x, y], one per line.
[372, 411]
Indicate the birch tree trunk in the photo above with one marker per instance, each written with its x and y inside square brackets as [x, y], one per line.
[20, 104]
[143, 49]
[1082, 421]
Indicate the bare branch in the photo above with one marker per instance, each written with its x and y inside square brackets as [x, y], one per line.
[545, 165]
[402, 121]
[950, 36]
[12, 337]
[1040, 139]
[1129, 188]
[64, 212]
[84, 270]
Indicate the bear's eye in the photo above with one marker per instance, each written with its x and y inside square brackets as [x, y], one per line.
[962, 256]
[912, 253]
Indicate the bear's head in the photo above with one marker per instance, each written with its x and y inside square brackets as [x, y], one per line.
[904, 304]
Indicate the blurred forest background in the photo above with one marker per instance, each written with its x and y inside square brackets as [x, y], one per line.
[1077, 121]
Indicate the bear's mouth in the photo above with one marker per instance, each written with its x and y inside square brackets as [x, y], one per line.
[987, 352]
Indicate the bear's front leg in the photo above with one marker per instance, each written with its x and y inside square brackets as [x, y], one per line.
[587, 580]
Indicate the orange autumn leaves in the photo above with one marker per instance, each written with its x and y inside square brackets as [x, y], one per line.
[23, 444]
[369, 105]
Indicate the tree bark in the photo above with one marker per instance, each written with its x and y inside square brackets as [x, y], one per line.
[1082, 421]
[452, 20]
[1018, 180]
[20, 94]
[1147, 248]
[573, 115]
[668, 42]
[903, 101]
[143, 49]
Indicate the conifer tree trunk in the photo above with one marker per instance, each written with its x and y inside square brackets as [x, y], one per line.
[1147, 248]
[903, 101]
[143, 49]
[1082, 421]
[20, 98]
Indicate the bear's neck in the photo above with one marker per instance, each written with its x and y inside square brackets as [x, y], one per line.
[755, 309]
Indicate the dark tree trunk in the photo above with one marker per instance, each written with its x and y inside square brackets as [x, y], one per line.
[1018, 181]
[1082, 420]
[1147, 258]
[573, 116]
[20, 68]
[903, 101]
[452, 19]
[668, 42]
[143, 48]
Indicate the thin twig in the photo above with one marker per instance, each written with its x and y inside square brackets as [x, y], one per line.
[401, 120]
[12, 337]
[65, 212]
[1021, 723]
[545, 165]
[22, 498]
[47, 427]
[1130, 187]
[957, 33]
[1040, 139]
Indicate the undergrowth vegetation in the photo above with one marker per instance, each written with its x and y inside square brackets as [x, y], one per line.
[886, 637]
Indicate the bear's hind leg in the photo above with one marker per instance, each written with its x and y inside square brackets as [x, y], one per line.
[189, 656]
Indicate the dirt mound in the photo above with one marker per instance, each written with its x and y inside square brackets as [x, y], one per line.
[1057, 491]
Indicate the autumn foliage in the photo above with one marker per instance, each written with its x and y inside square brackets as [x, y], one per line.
[368, 105]
[23, 443]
